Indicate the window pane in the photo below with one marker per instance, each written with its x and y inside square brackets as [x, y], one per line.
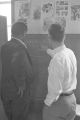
[5, 10]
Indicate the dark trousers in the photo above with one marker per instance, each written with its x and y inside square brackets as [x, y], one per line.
[35, 110]
[17, 108]
[63, 109]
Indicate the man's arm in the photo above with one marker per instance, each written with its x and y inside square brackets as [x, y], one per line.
[55, 78]
[21, 69]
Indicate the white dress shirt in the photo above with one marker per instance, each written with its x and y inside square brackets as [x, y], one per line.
[62, 72]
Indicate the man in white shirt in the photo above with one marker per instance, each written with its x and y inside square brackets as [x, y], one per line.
[60, 101]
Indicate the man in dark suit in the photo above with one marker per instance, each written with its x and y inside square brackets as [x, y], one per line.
[17, 74]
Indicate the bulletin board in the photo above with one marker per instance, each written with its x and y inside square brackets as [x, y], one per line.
[39, 14]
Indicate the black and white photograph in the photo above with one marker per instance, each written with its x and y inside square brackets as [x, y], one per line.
[39, 59]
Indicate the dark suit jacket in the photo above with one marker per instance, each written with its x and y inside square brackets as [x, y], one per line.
[16, 68]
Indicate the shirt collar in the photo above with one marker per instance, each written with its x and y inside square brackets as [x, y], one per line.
[56, 50]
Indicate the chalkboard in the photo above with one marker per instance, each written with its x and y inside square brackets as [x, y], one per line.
[41, 61]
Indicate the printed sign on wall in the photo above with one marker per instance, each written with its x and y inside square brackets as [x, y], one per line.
[61, 8]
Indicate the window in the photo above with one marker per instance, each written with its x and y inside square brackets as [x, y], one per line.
[5, 0]
[5, 10]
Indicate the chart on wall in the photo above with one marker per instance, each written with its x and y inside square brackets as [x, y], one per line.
[39, 14]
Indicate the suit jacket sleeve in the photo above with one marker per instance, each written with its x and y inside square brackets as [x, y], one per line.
[0, 71]
[22, 69]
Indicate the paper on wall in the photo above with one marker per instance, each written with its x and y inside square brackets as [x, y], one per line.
[22, 10]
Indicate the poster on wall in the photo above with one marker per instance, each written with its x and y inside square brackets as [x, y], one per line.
[75, 12]
[62, 11]
[22, 10]
[37, 13]
[61, 8]
[61, 21]
[48, 11]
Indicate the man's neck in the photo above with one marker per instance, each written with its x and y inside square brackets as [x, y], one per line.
[57, 44]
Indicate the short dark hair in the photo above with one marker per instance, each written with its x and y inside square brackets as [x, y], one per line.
[56, 32]
[18, 28]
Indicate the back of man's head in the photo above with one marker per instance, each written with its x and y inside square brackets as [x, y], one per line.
[18, 28]
[56, 32]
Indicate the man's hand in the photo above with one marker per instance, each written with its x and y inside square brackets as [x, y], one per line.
[21, 91]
